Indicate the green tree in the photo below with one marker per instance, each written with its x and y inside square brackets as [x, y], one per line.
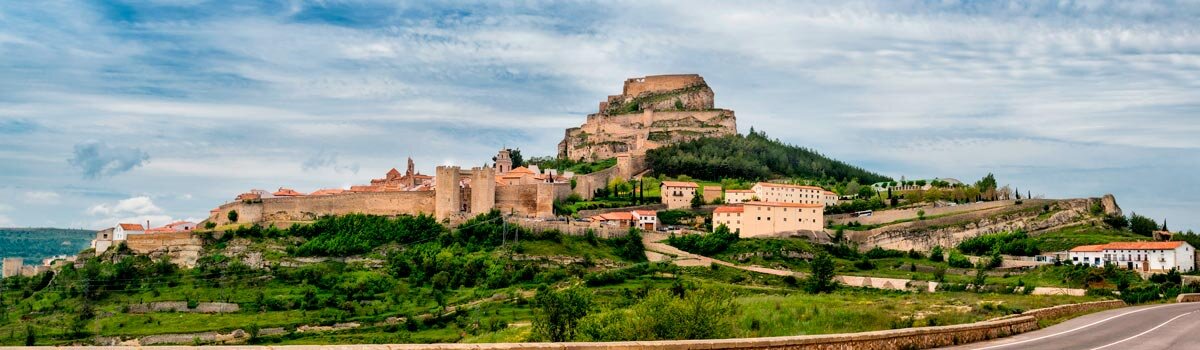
[30, 336]
[1142, 225]
[232, 216]
[821, 278]
[556, 314]
[697, 200]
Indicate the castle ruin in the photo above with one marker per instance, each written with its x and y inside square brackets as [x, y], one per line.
[650, 112]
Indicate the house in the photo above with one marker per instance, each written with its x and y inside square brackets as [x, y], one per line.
[765, 219]
[677, 194]
[739, 196]
[327, 192]
[124, 230]
[647, 220]
[1140, 256]
[103, 240]
[181, 226]
[621, 219]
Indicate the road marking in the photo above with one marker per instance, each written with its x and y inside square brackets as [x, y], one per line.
[1144, 333]
[1072, 330]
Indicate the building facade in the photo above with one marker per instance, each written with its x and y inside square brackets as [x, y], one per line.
[677, 194]
[766, 219]
[1139, 256]
[781, 193]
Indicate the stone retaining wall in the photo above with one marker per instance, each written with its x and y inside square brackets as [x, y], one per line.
[181, 306]
[1187, 298]
[1054, 312]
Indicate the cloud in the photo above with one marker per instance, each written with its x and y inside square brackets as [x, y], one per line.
[130, 210]
[42, 197]
[17, 126]
[323, 159]
[98, 159]
[141, 205]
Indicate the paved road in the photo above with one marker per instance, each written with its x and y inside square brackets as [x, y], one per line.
[1153, 327]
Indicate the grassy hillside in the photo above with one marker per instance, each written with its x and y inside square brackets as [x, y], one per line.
[38, 243]
[412, 280]
[753, 156]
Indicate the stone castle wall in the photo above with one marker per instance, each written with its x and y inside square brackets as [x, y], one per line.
[531, 199]
[627, 167]
[310, 208]
[660, 83]
[448, 198]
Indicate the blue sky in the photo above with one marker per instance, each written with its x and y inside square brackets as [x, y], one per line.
[157, 111]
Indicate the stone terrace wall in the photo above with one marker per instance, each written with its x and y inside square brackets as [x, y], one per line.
[1187, 298]
[183, 248]
[1059, 311]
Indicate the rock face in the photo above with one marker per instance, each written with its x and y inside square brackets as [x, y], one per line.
[650, 112]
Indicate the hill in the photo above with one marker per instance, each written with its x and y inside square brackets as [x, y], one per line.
[753, 156]
[38, 243]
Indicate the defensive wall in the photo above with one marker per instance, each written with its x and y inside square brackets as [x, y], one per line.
[627, 167]
[659, 83]
[531, 199]
[309, 208]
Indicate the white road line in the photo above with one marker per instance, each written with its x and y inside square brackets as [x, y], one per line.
[1075, 329]
[1144, 333]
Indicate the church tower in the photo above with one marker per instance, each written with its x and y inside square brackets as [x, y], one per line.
[503, 162]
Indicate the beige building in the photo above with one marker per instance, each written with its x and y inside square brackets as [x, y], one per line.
[678, 194]
[765, 219]
[739, 196]
[831, 199]
[711, 193]
[773, 192]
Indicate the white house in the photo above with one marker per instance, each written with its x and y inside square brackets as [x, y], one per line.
[1140, 256]
[124, 230]
[646, 220]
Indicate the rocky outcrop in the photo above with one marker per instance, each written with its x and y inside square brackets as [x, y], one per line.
[650, 112]
[1030, 217]
[182, 306]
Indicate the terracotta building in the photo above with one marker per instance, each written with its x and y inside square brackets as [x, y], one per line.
[766, 219]
[677, 194]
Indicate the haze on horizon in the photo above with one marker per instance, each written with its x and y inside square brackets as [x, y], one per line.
[111, 111]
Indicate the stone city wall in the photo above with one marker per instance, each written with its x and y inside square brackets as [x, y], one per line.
[310, 208]
[1059, 311]
[535, 200]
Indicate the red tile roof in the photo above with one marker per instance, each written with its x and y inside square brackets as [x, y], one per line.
[645, 212]
[772, 184]
[287, 192]
[729, 209]
[1143, 245]
[327, 191]
[1089, 248]
[739, 191]
[620, 215]
[679, 184]
[132, 227]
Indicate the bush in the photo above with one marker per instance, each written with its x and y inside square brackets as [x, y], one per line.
[880, 253]
[959, 261]
[864, 264]
[630, 246]
[557, 313]
[820, 279]
[712, 243]
[661, 315]
[1014, 243]
[232, 216]
[936, 254]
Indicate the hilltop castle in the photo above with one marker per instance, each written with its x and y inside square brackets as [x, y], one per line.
[650, 112]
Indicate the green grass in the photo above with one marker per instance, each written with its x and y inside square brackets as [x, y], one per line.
[860, 310]
[1070, 237]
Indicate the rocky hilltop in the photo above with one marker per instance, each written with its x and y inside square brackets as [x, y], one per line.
[650, 112]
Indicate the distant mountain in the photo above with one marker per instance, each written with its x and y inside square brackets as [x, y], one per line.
[753, 156]
[39, 243]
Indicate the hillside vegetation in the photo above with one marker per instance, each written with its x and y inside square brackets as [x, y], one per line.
[752, 156]
[39, 243]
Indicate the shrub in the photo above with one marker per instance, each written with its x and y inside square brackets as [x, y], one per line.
[712, 243]
[232, 216]
[630, 246]
[936, 254]
[959, 261]
[820, 279]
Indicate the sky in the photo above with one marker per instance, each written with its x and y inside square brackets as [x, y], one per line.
[159, 111]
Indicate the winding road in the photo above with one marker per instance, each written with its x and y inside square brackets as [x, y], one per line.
[1150, 327]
